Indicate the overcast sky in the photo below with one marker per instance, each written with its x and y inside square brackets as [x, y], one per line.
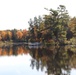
[16, 13]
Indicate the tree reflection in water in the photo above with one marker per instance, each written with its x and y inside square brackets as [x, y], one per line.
[13, 50]
[57, 60]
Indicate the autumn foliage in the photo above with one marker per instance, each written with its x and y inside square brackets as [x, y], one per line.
[13, 35]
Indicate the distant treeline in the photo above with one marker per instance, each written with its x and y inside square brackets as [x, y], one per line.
[13, 35]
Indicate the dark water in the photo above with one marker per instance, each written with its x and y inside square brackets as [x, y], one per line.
[37, 60]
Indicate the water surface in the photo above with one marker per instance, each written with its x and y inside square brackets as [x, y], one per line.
[37, 60]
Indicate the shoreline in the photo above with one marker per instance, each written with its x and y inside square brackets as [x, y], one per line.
[10, 43]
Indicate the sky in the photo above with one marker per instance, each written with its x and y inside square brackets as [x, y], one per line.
[15, 14]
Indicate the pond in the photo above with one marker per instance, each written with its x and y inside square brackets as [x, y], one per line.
[37, 60]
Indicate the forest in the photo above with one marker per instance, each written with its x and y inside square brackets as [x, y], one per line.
[13, 35]
[56, 27]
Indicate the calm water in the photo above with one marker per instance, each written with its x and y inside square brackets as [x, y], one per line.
[34, 60]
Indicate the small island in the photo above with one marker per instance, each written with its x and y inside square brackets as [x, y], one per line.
[55, 28]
